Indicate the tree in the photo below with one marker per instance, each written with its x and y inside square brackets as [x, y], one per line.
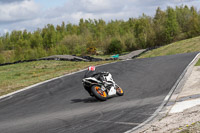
[26, 35]
[1, 45]
[40, 52]
[49, 36]
[115, 47]
[130, 42]
[158, 26]
[144, 32]
[82, 27]
[61, 49]
[60, 32]
[71, 42]
[194, 24]
[29, 54]
[19, 53]
[36, 39]
[6, 41]
[171, 25]
[2, 60]
[183, 15]
[72, 29]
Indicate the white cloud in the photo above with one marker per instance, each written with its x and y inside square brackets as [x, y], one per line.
[27, 14]
[5, 30]
[18, 11]
[10, 1]
[94, 6]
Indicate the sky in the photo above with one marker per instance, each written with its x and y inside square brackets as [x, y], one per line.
[33, 14]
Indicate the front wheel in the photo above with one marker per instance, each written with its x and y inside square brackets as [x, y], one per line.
[98, 93]
[119, 91]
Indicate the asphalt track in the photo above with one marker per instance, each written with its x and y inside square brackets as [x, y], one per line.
[63, 106]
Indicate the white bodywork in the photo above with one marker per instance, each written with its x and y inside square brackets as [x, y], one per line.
[92, 78]
[109, 78]
[112, 91]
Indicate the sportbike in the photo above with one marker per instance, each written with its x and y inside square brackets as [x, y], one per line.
[101, 90]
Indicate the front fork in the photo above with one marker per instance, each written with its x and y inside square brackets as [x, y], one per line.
[103, 88]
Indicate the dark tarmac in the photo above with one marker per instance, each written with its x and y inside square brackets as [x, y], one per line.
[63, 106]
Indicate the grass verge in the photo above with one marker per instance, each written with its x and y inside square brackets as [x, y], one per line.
[18, 76]
[185, 46]
[198, 63]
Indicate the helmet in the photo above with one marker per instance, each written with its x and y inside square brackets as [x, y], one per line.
[91, 68]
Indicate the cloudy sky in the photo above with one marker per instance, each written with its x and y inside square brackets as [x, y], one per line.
[33, 14]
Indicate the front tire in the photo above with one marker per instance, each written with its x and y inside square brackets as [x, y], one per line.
[119, 91]
[98, 93]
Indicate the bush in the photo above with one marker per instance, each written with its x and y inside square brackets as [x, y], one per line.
[129, 41]
[80, 50]
[91, 50]
[19, 53]
[73, 43]
[61, 49]
[115, 47]
[41, 52]
[2, 60]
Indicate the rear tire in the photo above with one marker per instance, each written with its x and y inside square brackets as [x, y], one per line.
[119, 91]
[98, 93]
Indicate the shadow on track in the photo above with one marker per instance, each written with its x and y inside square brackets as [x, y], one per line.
[86, 100]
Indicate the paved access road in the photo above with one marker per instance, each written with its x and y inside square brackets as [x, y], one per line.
[63, 106]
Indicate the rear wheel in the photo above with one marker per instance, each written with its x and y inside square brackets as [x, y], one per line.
[98, 93]
[119, 91]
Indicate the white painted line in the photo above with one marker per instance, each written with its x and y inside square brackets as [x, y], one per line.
[181, 106]
[165, 100]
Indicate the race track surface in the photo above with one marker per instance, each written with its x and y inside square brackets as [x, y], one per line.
[63, 106]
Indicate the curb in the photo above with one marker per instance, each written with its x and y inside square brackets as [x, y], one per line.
[167, 98]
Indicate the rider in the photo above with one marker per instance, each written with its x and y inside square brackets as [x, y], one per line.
[92, 73]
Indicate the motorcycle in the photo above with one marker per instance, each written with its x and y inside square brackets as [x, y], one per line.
[101, 90]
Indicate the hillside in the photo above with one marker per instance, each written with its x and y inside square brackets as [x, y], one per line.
[185, 46]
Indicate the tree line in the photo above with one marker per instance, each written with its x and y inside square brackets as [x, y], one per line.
[97, 36]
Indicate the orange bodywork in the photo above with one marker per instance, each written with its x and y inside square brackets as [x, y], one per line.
[102, 93]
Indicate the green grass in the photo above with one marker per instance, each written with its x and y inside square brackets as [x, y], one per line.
[198, 63]
[18, 76]
[185, 46]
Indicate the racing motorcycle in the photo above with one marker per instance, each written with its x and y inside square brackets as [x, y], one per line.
[101, 90]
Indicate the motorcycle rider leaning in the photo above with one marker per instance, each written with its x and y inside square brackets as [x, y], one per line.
[98, 75]
[100, 84]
